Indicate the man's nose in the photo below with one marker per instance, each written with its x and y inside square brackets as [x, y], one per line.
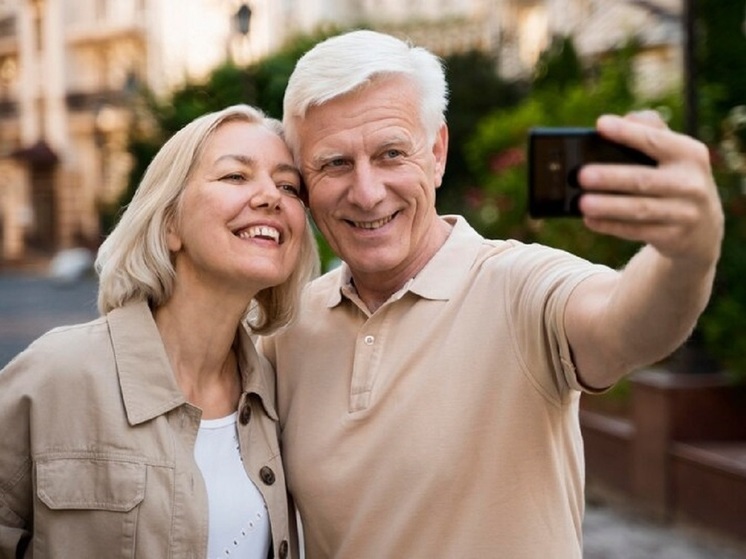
[367, 188]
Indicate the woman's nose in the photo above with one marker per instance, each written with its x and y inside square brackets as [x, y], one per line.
[266, 195]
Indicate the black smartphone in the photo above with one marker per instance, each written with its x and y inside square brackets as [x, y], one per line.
[555, 156]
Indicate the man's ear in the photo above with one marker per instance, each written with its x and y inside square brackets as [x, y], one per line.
[440, 151]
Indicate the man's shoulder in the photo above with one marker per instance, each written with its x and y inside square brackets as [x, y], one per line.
[324, 285]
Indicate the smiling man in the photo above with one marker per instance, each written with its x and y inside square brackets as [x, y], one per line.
[428, 393]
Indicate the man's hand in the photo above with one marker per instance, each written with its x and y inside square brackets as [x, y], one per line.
[617, 322]
[674, 207]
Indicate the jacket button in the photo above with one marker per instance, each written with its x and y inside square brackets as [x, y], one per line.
[245, 414]
[283, 551]
[267, 475]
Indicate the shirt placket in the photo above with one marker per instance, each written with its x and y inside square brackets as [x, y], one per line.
[369, 348]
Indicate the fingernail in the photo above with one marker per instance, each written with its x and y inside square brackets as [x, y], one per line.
[647, 114]
[608, 122]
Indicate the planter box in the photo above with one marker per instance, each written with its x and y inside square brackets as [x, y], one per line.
[708, 485]
[679, 450]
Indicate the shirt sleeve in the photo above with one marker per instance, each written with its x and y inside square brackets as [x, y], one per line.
[541, 282]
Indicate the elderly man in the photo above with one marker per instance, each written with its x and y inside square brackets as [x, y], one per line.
[428, 393]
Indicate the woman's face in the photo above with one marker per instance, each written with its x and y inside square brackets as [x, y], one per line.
[241, 222]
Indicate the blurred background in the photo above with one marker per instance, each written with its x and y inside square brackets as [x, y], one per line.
[89, 90]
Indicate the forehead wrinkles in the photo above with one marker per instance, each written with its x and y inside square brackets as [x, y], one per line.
[392, 104]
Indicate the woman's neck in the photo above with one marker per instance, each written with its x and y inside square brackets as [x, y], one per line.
[199, 339]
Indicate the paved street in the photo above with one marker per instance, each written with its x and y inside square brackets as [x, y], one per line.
[616, 533]
[31, 305]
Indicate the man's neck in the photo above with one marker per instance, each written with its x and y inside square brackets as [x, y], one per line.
[375, 289]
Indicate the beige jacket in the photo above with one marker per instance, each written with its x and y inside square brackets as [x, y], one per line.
[97, 446]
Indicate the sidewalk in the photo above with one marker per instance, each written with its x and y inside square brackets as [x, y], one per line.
[611, 532]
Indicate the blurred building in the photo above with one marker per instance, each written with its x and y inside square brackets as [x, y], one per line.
[69, 70]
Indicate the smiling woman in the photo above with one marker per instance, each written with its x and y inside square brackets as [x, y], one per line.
[171, 443]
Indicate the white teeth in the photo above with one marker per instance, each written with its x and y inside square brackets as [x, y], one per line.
[373, 224]
[260, 231]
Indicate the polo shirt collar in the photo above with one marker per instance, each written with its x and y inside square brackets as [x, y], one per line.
[442, 275]
[446, 271]
[148, 385]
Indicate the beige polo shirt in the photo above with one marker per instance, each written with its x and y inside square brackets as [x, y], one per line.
[445, 424]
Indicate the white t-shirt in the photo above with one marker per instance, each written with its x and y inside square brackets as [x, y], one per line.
[238, 517]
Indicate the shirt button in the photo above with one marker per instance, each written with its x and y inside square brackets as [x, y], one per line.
[368, 340]
[245, 414]
[283, 551]
[267, 475]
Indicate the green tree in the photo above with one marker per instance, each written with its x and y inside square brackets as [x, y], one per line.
[721, 89]
[563, 96]
[475, 90]
[559, 66]
[720, 39]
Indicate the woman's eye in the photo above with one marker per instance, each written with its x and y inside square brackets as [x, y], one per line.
[234, 177]
[289, 188]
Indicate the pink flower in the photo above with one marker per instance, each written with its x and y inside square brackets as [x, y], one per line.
[504, 160]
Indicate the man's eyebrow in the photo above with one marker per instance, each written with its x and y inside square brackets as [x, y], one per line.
[323, 158]
[394, 141]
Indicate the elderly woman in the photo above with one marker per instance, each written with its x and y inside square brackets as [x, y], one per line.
[152, 431]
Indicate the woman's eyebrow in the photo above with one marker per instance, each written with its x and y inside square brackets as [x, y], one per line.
[243, 159]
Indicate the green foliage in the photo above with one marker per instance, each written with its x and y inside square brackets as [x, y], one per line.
[721, 88]
[721, 52]
[496, 152]
[558, 66]
[722, 324]
[475, 90]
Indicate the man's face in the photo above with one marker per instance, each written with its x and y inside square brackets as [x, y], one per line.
[371, 176]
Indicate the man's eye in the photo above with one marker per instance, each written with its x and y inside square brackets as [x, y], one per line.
[335, 163]
[393, 153]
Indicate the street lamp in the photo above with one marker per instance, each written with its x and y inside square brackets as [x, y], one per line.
[242, 19]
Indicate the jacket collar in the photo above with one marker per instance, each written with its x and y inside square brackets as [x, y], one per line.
[442, 275]
[148, 384]
[257, 375]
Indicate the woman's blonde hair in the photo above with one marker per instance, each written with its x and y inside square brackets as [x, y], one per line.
[134, 263]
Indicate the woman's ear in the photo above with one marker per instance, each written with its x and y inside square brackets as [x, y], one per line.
[173, 240]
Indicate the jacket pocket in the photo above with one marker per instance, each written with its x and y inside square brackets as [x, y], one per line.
[87, 507]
